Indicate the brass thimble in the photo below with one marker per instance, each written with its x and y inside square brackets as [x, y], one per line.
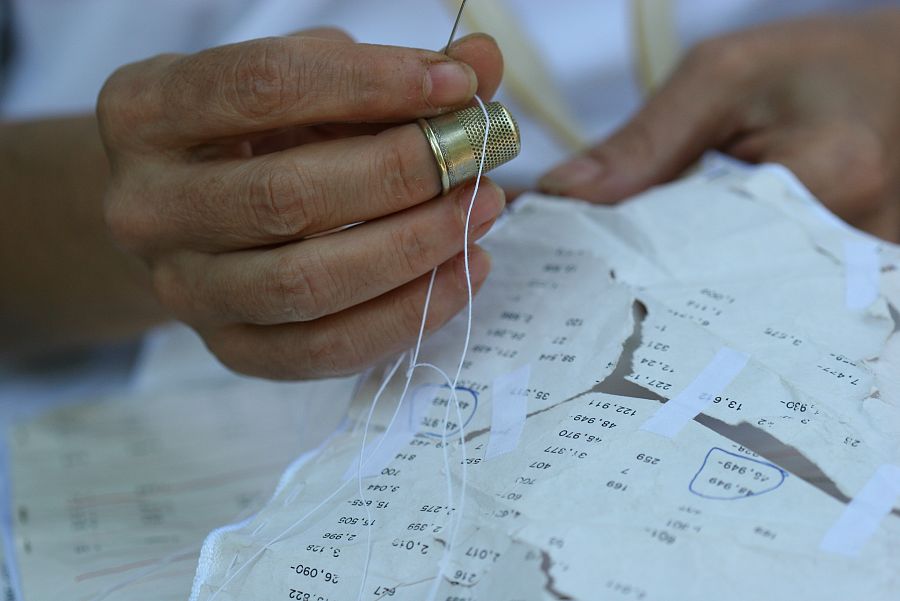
[456, 140]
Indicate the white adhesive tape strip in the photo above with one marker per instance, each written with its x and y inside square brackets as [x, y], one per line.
[709, 383]
[509, 407]
[862, 265]
[861, 517]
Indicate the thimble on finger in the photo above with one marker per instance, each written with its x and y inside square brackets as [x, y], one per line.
[456, 140]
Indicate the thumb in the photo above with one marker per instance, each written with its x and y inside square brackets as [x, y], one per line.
[324, 33]
[689, 114]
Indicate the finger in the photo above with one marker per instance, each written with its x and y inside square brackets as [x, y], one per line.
[298, 192]
[349, 341]
[290, 137]
[844, 165]
[480, 51]
[324, 275]
[276, 140]
[278, 82]
[324, 33]
[287, 137]
[697, 109]
[477, 50]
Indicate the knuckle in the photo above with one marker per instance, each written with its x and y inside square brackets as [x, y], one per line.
[396, 174]
[301, 285]
[117, 219]
[283, 211]
[355, 75]
[725, 56]
[121, 83]
[107, 101]
[129, 99]
[131, 229]
[118, 111]
[407, 316]
[335, 352]
[412, 249]
[257, 84]
[170, 290]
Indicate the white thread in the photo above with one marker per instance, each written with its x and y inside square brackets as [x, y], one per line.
[274, 540]
[231, 565]
[322, 503]
[259, 527]
[292, 497]
[462, 439]
[452, 384]
[444, 455]
[413, 364]
[409, 374]
[448, 550]
[388, 443]
[445, 458]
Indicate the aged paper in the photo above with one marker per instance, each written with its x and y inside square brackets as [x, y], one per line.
[692, 395]
[112, 500]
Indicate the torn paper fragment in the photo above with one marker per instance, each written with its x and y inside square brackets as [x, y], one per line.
[740, 291]
[509, 405]
[862, 516]
[709, 383]
[583, 504]
[115, 498]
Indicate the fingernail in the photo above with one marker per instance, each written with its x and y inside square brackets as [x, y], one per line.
[472, 36]
[488, 204]
[577, 172]
[479, 266]
[449, 83]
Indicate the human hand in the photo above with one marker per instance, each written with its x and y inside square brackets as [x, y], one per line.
[231, 168]
[821, 96]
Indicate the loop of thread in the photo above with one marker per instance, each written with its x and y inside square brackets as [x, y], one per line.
[413, 364]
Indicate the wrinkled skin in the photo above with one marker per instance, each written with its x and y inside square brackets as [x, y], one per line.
[235, 170]
[821, 96]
